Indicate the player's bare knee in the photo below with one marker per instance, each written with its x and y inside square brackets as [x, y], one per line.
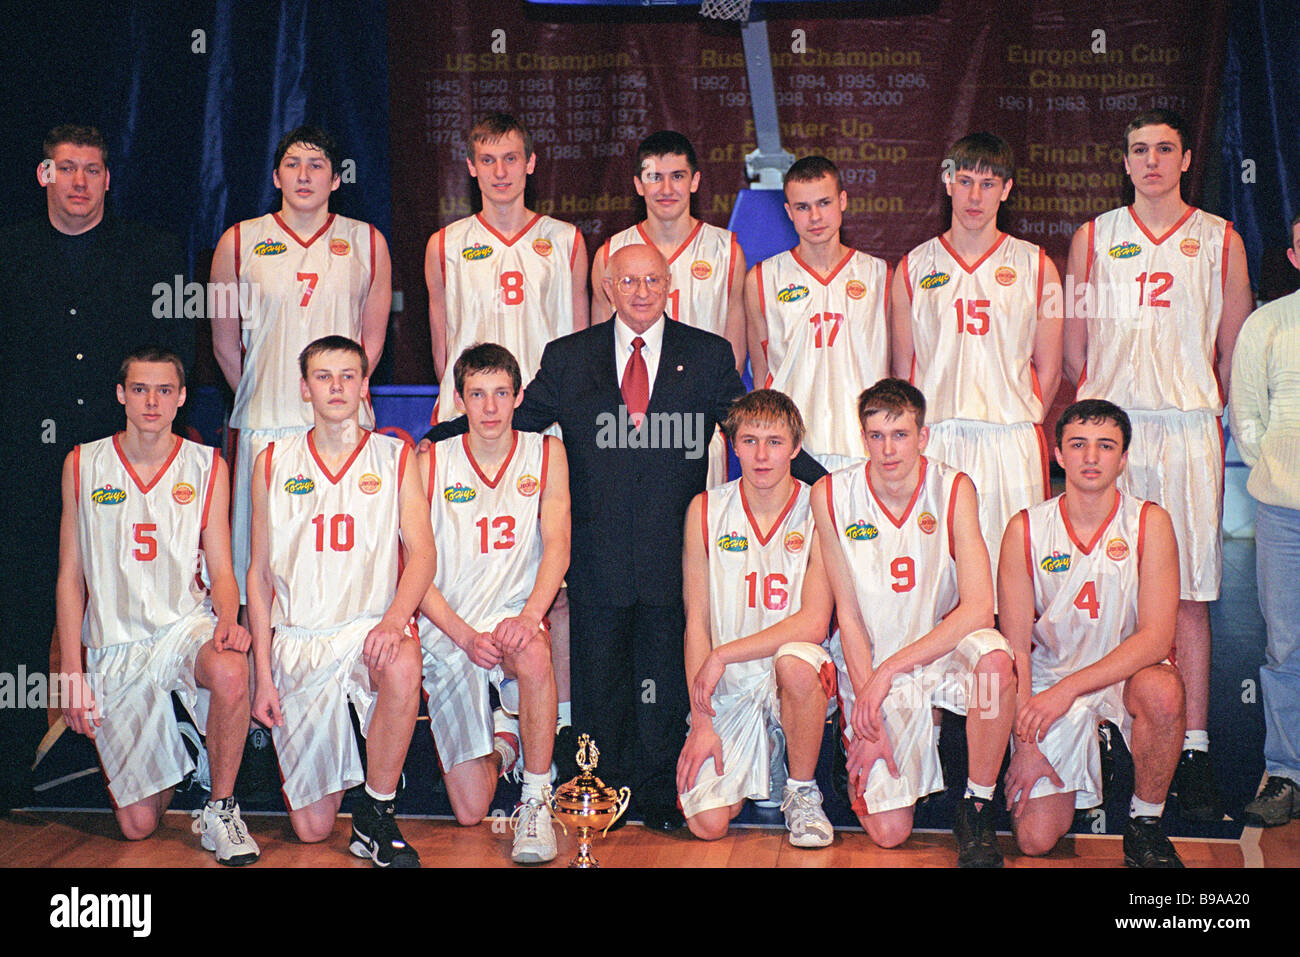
[887, 832]
[999, 668]
[402, 675]
[228, 676]
[532, 662]
[795, 676]
[1157, 693]
[311, 828]
[1035, 839]
[709, 826]
[137, 822]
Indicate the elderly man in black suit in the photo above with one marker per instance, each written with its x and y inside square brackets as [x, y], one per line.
[638, 399]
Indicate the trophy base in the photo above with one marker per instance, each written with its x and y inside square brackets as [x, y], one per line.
[583, 858]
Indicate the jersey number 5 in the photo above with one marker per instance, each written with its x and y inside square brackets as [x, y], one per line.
[142, 532]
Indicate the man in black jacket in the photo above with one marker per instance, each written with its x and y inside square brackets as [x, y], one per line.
[76, 295]
[630, 485]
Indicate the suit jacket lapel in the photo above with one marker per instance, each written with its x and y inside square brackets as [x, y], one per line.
[673, 363]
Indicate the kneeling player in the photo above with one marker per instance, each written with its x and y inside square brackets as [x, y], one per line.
[331, 509]
[139, 508]
[902, 544]
[499, 504]
[757, 611]
[1088, 591]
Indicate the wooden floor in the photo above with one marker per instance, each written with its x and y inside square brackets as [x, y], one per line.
[87, 839]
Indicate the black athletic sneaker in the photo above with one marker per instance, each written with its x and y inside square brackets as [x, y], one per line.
[1193, 788]
[375, 835]
[1145, 844]
[977, 839]
[1277, 802]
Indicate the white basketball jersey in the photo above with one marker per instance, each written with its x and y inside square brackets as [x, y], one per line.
[487, 528]
[973, 330]
[1085, 595]
[516, 292]
[333, 537]
[140, 544]
[826, 342]
[1151, 334]
[294, 290]
[700, 274]
[904, 568]
[754, 581]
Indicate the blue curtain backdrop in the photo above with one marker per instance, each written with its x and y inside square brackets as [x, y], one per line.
[192, 118]
[1261, 123]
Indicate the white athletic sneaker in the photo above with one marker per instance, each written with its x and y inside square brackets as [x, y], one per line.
[777, 772]
[534, 841]
[805, 818]
[224, 833]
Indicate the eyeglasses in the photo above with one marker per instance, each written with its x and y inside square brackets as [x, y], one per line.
[629, 284]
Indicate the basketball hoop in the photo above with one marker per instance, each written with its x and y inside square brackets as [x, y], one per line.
[737, 10]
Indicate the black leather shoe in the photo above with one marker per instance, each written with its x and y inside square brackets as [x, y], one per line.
[662, 818]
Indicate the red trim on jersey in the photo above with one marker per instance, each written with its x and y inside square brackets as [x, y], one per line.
[952, 511]
[704, 520]
[212, 483]
[753, 522]
[237, 254]
[911, 375]
[433, 461]
[1042, 454]
[401, 466]
[397, 432]
[1029, 551]
[1169, 232]
[518, 236]
[329, 221]
[491, 483]
[1087, 263]
[699, 224]
[334, 479]
[916, 493]
[762, 303]
[1223, 270]
[372, 259]
[1042, 273]
[605, 250]
[270, 450]
[573, 253]
[907, 279]
[889, 285]
[1033, 379]
[145, 489]
[1142, 530]
[442, 258]
[731, 265]
[1101, 529]
[546, 461]
[1002, 237]
[813, 272]
[76, 473]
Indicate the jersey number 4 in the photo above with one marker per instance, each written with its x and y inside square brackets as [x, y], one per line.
[1086, 600]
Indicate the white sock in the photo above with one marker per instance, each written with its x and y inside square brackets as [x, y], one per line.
[980, 792]
[381, 798]
[564, 715]
[1196, 741]
[794, 785]
[1140, 808]
[534, 786]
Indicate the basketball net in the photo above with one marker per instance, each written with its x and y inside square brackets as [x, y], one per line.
[737, 10]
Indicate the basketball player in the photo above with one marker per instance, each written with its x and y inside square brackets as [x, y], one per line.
[1089, 594]
[902, 543]
[301, 273]
[977, 328]
[706, 267]
[143, 511]
[499, 504]
[1169, 293]
[816, 318]
[331, 508]
[507, 274]
[511, 276]
[757, 611]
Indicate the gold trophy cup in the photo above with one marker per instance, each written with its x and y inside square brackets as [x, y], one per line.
[588, 803]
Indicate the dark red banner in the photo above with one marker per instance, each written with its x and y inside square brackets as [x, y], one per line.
[883, 98]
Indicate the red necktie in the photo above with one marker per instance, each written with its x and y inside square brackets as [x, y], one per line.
[636, 384]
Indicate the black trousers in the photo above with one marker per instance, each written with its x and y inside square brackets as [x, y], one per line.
[629, 693]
